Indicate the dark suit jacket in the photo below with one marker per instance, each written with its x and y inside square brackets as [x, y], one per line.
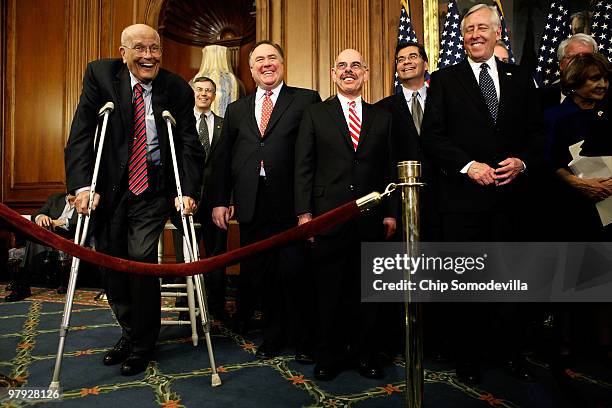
[236, 160]
[329, 172]
[457, 128]
[407, 140]
[53, 207]
[109, 80]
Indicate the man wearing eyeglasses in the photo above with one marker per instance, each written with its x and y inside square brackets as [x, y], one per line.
[135, 190]
[344, 151]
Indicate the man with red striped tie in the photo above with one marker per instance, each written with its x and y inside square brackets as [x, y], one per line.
[136, 182]
[344, 151]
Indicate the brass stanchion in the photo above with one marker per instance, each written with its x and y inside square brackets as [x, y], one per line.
[409, 175]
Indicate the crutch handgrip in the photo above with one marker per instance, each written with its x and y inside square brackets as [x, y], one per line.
[108, 106]
[168, 116]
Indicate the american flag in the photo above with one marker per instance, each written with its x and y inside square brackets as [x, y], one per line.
[451, 43]
[557, 28]
[601, 27]
[405, 33]
[504, 31]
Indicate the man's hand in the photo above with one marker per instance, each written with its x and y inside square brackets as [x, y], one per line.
[188, 202]
[510, 168]
[221, 216]
[481, 173]
[303, 219]
[596, 189]
[390, 227]
[82, 201]
[231, 212]
[44, 221]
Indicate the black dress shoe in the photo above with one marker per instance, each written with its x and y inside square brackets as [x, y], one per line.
[304, 357]
[469, 373]
[135, 364]
[325, 373]
[267, 350]
[18, 295]
[370, 369]
[117, 354]
[12, 285]
[517, 369]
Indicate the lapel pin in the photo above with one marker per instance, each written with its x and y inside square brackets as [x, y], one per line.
[600, 113]
[509, 73]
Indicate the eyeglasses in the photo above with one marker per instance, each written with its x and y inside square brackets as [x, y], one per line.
[355, 66]
[155, 50]
[204, 90]
[410, 57]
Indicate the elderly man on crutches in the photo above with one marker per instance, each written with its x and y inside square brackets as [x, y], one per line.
[136, 185]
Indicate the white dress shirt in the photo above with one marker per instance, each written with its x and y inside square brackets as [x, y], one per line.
[492, 71]
[344, 102]
[421, 98]
[210, 122]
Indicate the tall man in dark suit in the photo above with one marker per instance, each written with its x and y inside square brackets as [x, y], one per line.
[482, 128]
[254, 161]
[344, 151]
[136, 181]
[208, 126]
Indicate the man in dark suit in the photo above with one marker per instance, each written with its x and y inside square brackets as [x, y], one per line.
[344, 151]
[254, 161]
[208, 125]
[135, 185]
[482, 129]
[58, 215]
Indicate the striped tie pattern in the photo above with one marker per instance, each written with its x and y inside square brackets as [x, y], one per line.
[487, 88]
[137, 169]
[266, 112]
[354, 124]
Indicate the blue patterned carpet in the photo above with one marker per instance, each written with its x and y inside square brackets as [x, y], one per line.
[180, 374]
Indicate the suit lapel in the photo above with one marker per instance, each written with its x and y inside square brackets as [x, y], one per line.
[123, 91]
[401, 105]
[218, 122]
[335, 111]
[252, 121]
[285, 97]
[367, 117]
[505, 89]
[471, 87]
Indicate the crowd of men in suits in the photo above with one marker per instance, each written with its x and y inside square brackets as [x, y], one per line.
[280, 157]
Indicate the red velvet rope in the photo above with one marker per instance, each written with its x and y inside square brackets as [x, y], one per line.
[318, 225]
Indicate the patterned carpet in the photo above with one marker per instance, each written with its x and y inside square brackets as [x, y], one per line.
[180, 375]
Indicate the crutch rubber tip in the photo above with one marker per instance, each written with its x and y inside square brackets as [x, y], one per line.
[54, 386]
[215, 380]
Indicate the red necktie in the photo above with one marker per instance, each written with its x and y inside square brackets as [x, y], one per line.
[354, 124]
[137, 170]
[266, 112]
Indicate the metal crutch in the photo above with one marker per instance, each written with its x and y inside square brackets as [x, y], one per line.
[79, 239]
[192, 253]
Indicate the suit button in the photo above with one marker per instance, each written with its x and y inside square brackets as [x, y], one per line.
[261, 144]
[356, 161]
[351, 187]
[115, 188]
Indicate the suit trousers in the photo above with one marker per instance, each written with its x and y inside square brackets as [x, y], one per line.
[346, 327]
[131, 230]
[272, 277]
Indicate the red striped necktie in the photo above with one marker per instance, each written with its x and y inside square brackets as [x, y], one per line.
[137, 170]
[354, 124]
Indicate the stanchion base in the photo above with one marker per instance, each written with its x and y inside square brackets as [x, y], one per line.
[215, 380]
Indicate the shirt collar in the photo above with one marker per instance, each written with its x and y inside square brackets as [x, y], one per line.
[408, 92]
[260, 93]
[344, 101]
[197, 113]
[490, 62]
[133, 81]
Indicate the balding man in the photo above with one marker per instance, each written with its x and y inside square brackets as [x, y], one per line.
[135, 187]
[343, 152]
[570, 47]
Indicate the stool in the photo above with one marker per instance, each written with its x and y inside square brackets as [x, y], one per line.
[181, 290]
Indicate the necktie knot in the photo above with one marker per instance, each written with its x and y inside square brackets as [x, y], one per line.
[138, 90]
[268, 93]
[484, 66]
[352, 104]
